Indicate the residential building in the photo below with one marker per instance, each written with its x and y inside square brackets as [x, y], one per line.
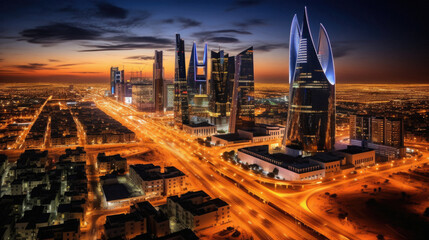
[197, 211]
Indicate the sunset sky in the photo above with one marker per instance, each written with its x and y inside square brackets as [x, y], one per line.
[78, 41]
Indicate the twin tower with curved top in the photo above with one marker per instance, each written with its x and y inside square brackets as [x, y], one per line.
[311, 114]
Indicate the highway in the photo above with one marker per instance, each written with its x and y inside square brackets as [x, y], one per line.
[256, 216]
[189, 154]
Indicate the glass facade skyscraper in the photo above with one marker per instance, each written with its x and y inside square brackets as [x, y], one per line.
[181, 107]
[311, 114]
[158, 81]
[243, 100]
[221, 86]
[197, 87]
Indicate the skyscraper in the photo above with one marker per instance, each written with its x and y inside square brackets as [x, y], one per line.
[220, 90]
[158, 81]
[311, 114]
[115, 77]
[243, 102]
[197, 87]
[181, 107]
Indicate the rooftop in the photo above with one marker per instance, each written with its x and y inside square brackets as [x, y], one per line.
[355, 150]
[115, 191]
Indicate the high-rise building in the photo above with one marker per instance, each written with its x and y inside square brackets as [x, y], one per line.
[119, 85]
[158, 82]
[311, 114]
[181, 106]
[168, 95]
[142, 95]
[377, 130]
[221, 86]
[360, 127]
[115, 77]
[394, 135]
[197, 87]
[128, 91]
[243, 96]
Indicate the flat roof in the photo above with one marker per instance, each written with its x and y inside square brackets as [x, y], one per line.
[115, 191]
[230, 137]
[355, 150]
[201, 124]
[327, 157]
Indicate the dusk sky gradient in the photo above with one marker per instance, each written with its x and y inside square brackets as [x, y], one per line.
[78, 41]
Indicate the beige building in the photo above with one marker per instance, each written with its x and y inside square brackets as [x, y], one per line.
[330, 161]
[155, 183]
[358, 156]
[200, 130]
[108, 164]
[197, 211]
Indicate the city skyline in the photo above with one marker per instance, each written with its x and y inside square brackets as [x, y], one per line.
[366, 36]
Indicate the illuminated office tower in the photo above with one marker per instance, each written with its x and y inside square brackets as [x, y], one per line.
[311, 114]
[168, 95]
[360, 127]
[181, 106]
[220, 88]
[197, 87]
[243, 96]
[378, 125]
[158, 82]
[115, 77]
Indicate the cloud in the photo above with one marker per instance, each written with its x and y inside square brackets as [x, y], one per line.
[117, 47]
[72, 64]
[1, 59]
[140, 57]
[33, 66]
[131, 21]
[267, 47]
[85, 72]
[242, 4]
[53, 60]
[187, 22]
[57, 33]
[251, 22]
[140, 39]
[107, 10]
[218, 34]
[183, 22]
[168, 21]
[223, 40]
[342, 48]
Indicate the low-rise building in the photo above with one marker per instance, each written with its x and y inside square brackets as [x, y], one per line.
[359, 156]
[202, 129]
[155, 183]
[69, 230]
[125, 225]
[108, 164]
[330, 161]
[289, 167]
[74, 155]
[197, 211]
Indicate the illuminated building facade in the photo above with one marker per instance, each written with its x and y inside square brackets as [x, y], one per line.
[243, 102]
[197, 87]
[181, 106]
[311, 114]
[221, 84]
[158, 82]
[116, 77]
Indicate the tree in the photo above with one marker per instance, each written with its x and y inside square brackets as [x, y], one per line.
[271, 175]
[276, 171]
[327, 193]
[426, 213]
[379, 189]
[333, 195]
